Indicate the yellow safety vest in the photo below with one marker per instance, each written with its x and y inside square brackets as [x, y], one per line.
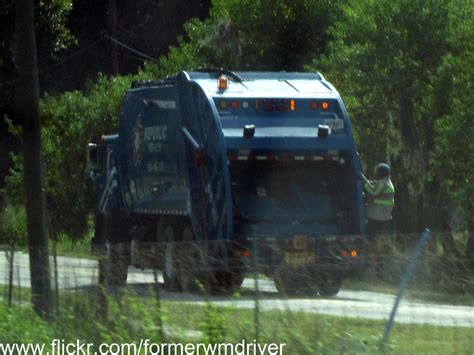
[383, 199]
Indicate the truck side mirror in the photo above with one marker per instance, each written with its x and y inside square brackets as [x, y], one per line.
[92, 158]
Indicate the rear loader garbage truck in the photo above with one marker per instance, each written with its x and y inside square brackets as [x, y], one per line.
[216, 173]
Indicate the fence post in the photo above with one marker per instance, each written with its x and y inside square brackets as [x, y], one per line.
[10, 256]
[407, 275]
[257, 303]
[158, 304]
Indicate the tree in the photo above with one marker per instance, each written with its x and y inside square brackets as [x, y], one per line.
[385, 58]
[453, 158]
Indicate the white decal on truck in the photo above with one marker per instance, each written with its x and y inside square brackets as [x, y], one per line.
[155, 133]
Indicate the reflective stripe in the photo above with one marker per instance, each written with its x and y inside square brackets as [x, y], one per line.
[374, 190]
[387, 202]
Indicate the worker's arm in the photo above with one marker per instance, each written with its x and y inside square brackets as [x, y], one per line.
[373, 187]
[362, 176]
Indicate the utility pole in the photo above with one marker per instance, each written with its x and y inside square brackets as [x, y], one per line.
[27, 112]
[113, 33]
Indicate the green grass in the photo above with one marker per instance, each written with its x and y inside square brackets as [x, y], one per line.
[413, 292]
[311, 333]
[131, 318]
[67, 247]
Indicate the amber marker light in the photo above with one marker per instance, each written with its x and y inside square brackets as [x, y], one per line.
[354, 253]
[292, 105]
[223, 83]
[325, 105]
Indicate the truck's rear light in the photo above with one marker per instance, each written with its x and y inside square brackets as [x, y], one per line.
[314, 105]
[245, 104]
[344, 254]
[325, 105]
[354, 253]
[223, 104]
[246, 254]
[234, 104]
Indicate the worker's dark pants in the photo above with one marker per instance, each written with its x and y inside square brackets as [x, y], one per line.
[377, 233]
[375, 227]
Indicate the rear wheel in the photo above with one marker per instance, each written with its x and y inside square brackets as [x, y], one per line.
[285, 281]
[295, 282]
[329, 283]
[191, 261]
[224, 282]
[220, 280]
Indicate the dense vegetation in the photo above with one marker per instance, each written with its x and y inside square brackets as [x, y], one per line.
[404, 68]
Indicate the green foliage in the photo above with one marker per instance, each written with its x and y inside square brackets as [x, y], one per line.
[394, 62]
[13, 229]
[69, 122]
[454, 155]
[255, 35]
[23, 325]
[51, 17]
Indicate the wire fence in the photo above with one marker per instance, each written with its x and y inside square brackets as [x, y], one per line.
[272, 291]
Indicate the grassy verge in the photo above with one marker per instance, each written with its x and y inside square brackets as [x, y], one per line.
[131, 318]
[306, 333]
[412, 292]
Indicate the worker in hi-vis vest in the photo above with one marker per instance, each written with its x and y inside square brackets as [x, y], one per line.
[380, 200]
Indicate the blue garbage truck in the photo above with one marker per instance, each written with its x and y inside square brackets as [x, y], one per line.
[215, 172]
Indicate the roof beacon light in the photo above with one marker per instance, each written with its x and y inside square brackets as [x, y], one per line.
[223, 83]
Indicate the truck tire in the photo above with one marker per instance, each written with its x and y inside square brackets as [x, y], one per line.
[170, 260]
[329, 283]
[191, 262]
[285, 281]
[114, 257]
[118, 260]
[224, 282]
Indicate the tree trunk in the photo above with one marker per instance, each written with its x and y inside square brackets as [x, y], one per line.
[470, 246]
[27, 111]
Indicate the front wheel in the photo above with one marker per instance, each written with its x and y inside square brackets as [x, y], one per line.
[117, 262]
[114, 256]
